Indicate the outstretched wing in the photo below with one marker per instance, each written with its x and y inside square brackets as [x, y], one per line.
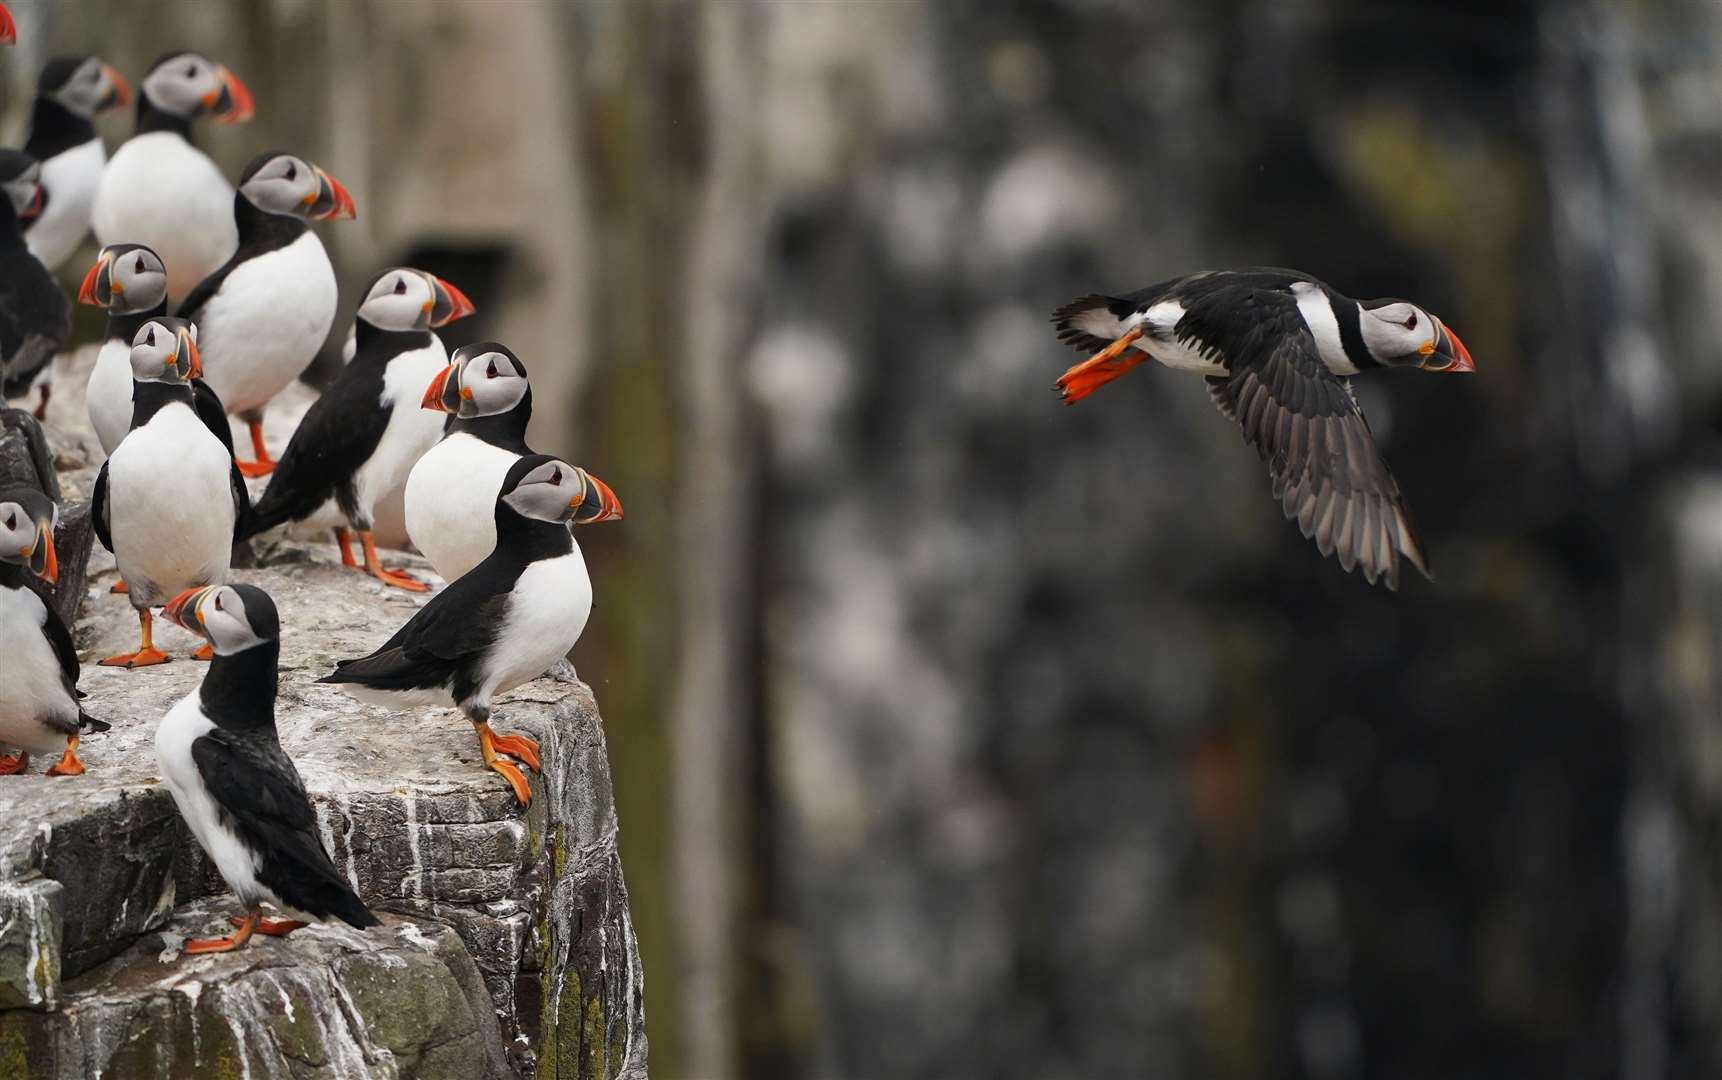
[1305, 423]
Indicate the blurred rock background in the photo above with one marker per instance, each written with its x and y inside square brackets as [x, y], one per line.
[959, 734]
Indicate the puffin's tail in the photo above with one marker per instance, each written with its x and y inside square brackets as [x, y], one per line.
[278, 506]
[1096, 324]
[312, 884]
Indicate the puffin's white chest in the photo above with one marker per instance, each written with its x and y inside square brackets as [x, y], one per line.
[182, 726]
[162, 191]
[32, 690]
[70, 179]
[547, 611]
[450, 506]
[109, 394]
[170, 506]
[265, 324]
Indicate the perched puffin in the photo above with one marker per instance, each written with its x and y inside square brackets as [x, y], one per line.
[35, 316]
[169, 501]
[1278, 349]
[238, 790]
[69, 94]
[359, 439]
[39, 710]
[451, 491]
[262, 317]
[129, 281]
[507, 622]
[158, 188]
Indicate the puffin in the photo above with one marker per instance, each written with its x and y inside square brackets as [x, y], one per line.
[130, 283]
[39, 697]
[35, 316]
[71, 91]
[358, 440]
[235, 787]
[1278, 349]
[449, 493]
[169, 502]
[265, 313]
[508, 621]
[160, 189]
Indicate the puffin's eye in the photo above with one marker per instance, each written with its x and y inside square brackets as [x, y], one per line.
[556, 477]
[400, 286]
[151, 339]
[138, 267]
[218, 601]
[1411, 322]
[191, 71]
[490, 373]
[11, 521]
[292, 171]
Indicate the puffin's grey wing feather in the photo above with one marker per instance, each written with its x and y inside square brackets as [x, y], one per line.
[99, 508]
[1305, 423]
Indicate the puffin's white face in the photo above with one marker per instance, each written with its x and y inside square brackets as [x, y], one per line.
[222, 614]
[164, 350]
[190, 84]
[27, 533]
[1397, 332]
[92, 87]
[126, 279]
[285, 184]
[408, 299]
[554, 490]
[24, 189]
[489, 383]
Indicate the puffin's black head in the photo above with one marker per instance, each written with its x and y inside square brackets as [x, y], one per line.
[232, 617]
[1398, 333]
[27, 532]
[164, 350]
[545, 488]
[279, 183]
[83, 84]
[21, 177]
[190, 85]
[402, 298]
[482, 379]
[126, 279]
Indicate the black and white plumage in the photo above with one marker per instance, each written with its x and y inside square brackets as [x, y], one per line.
[265, 313]
[71, 91]
[358, 441]
[1278, 348]
[39, 697]
[237, 789]
[35, 316]
[130, 281]
[169, 501]
[507, 622]
[158, 188]
[488, 399]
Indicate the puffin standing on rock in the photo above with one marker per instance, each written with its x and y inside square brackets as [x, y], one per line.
[1278, 349]
[35, 316]
[39, 710]
[169, 502]
[359, 439]
[507, 622]
[69, 94]
[236, 788]
[158, 188]
[264, 314]
[452, 490]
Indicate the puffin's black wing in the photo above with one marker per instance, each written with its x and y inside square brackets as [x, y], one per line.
[1305, 423]
[99, 508]
[340, 432]
[61, 640]
[255, 784]
[35, 320]
[207, 404]
[439, 642]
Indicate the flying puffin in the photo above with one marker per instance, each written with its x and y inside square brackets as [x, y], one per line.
[507, 622]
[262, 317]
[1278, 349]
[359, 439]
[69, 94]
[158, 188]
[35, 316]
[169, 501]
[39, 710]
[451, 491]
[236, 788]
[129, 281]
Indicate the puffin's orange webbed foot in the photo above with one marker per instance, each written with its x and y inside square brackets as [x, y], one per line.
[516, 780]
[120, 587]
[247, 925]
[12, 765]
[68, 765]
[274, 927]
[141, 658]
[518, 746]
[206, 651]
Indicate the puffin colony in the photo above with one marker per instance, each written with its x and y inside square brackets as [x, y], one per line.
[218, 296]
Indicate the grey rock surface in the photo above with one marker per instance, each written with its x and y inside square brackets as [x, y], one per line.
[93, 868]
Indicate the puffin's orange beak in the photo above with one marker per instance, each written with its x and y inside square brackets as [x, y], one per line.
[434, 394]
[599, 503]
[175, 611]
[43, 560]
[91, 292]
[121, 93]
[448, 304]
[8, 28]
[1447, 352]
[331, 200]
[188, 348]
[232, 104]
